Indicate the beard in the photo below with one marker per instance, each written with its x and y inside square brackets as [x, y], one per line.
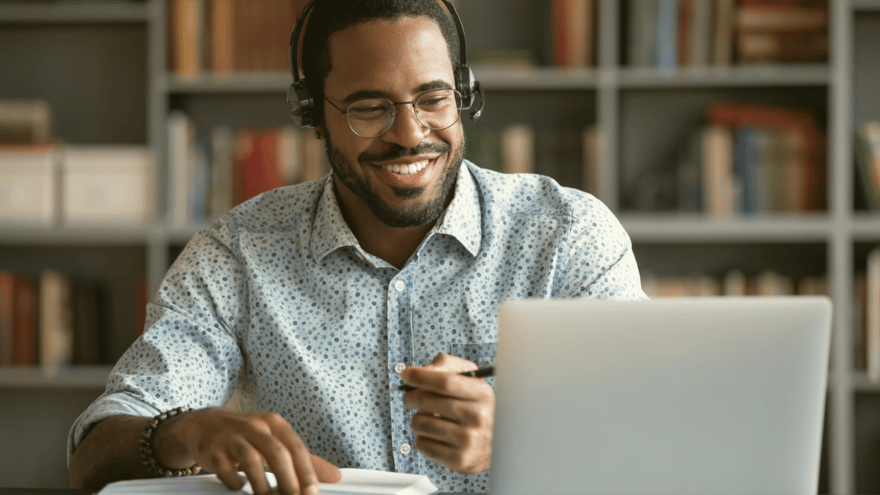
[399, 216]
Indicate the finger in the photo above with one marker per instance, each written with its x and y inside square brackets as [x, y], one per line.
[251, 462]
[437, 428]
[226, 472]
[280, 462]
[451, 364]
[326, 471]
[302, 472]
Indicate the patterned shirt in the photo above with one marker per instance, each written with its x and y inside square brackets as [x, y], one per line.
[278, 304]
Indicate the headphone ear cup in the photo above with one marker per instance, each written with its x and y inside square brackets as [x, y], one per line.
[466, 86]
[300, 104]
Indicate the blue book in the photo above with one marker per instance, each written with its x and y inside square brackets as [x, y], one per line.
[746, 163]
[667, 34]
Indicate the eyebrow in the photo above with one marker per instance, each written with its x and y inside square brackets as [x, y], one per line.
[372, 93]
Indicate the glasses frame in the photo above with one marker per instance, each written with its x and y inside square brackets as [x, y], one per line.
[394, 104]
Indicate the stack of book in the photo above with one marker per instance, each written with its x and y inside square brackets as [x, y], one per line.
[745, 159]
[52, 320]
[213, 170]
[782, 31]
[226, 36]
[733, 283]
[668, 34]
[571, 156]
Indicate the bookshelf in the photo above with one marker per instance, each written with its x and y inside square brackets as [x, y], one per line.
[640, 112]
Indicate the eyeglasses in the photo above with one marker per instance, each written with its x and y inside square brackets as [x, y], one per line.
[437, 109]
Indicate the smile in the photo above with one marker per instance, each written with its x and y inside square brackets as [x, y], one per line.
[411, 169]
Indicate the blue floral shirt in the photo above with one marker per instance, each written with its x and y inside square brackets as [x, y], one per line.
[278, 304]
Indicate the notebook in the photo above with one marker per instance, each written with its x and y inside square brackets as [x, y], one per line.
[353, 482]
[677, 396]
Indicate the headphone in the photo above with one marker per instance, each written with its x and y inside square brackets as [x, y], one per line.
[301, 105]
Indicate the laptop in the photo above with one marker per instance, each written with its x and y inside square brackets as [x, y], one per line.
[673, 396]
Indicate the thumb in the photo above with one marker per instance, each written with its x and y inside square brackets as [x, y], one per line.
[327, 472]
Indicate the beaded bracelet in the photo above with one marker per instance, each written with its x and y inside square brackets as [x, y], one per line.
[148, 455]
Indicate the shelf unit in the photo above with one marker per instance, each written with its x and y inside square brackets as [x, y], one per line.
[611, 95]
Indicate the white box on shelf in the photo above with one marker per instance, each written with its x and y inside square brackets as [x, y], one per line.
[28, 185]
[107, 184]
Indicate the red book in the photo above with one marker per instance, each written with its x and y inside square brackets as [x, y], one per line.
[24, 327]
[561, 39]
[782, 119]
[256, 163]
[7, 298]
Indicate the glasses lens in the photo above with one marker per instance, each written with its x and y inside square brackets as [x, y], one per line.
[370, 118]
[439, 109]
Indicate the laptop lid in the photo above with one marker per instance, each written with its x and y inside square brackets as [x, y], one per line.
[678, 396]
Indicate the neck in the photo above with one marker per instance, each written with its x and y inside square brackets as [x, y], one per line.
[394, 245]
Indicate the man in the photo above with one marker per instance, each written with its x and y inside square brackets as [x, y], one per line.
[311, 301]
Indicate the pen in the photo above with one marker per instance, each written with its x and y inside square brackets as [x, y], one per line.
[481, 372]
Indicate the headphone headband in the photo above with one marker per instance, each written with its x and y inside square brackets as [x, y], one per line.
[300, 103]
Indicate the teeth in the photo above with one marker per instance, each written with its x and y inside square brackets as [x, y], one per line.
[410, 169]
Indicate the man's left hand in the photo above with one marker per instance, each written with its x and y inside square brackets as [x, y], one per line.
[455, 414]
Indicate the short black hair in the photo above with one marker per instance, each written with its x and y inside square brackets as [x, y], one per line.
[330, 16]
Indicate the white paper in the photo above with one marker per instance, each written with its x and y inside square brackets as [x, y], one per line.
[354, 481]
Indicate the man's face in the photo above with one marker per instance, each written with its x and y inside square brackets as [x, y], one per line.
[398, 60]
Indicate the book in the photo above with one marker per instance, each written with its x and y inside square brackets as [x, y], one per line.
[667, 35]
[7, 294]
[872, 313]
[181, 145]
[89, 325]
[642, 32]
[718, 175]
[25, 121]
[867, 152]
[222, 36]
[256, 163]
[746, 164]
[24, 321]
[354, 481]
[518, 149]
[56, 324]
[699, 39]
[185, 27]
[722, 53]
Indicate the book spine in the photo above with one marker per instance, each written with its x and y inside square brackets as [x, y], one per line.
[667, 35]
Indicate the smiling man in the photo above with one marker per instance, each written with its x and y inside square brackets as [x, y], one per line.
[311, 302]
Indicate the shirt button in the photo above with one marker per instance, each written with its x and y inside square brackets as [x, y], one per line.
[405, 449]
[399, 367]
[399, 286]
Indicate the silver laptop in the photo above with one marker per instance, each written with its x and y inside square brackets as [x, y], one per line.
[677, 396]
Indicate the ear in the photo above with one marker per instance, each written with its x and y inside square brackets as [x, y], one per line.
[319, 132]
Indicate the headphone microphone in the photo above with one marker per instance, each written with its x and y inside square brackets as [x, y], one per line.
[301, 104]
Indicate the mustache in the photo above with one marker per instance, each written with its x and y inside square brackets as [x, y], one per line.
[397, 151]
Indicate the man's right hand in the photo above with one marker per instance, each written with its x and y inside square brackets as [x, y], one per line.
[225, 442]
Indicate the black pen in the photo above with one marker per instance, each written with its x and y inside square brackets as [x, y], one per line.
[481, 372]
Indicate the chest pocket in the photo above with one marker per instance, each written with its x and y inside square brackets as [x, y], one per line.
[479, 354]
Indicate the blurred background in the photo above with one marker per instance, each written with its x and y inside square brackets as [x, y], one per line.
[737, 140]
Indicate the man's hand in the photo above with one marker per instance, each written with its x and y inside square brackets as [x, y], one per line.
[224, 442]
[455, 415]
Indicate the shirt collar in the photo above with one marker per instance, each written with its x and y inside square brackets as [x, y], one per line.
[462, 219]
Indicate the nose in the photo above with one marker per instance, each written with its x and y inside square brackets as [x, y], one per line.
[406, 130]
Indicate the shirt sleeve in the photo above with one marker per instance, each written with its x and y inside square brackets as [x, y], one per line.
[601, 264]
[189, 354]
